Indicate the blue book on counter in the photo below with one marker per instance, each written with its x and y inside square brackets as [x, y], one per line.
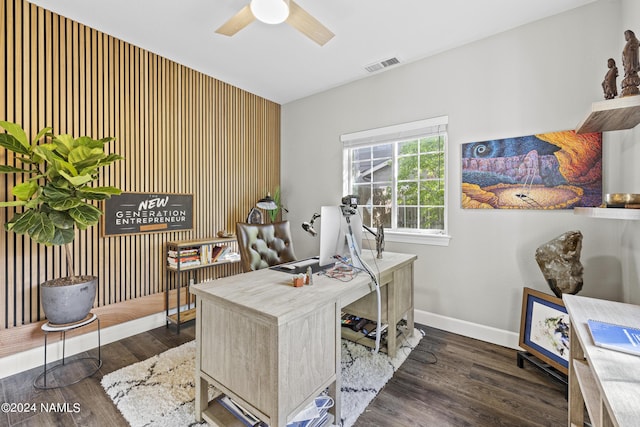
[615, 337]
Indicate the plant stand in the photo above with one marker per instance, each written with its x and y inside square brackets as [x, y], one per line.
[49, 327]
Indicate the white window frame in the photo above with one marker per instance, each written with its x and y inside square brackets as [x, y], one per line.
[396, 133]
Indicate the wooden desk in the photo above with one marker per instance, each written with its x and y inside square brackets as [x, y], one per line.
[273, 347]
[608, 381]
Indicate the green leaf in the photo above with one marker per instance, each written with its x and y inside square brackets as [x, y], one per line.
[42, 230]
[48, 153]
[53, 193]
[22, 222]
[38, 225]
[110, 159]
[76, 180]
[11, 143]
[17, 132]
[85, 215]
[63, 236]
[98, 193]
[65, 204]
[25, 190]
[90, 143]
[64, 144]
[11, 169]
[43, 132]
[62, 220]
[83, 156]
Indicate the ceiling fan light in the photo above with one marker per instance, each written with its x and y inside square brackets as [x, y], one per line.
[270, 11]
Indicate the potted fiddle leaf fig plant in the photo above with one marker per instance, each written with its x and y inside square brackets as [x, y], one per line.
[54, 200]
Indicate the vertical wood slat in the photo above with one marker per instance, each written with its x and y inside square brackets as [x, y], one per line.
[179, 130]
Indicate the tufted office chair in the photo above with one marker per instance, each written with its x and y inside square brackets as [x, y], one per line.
[264, 245]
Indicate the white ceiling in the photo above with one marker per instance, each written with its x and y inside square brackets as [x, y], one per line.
[279, 63]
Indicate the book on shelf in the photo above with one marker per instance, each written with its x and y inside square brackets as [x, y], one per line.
[173, 262]
[315, 414]
[211, 253]
[615, 337]
[240, 413]
[216, 252]
[183, 252]
[230, 256]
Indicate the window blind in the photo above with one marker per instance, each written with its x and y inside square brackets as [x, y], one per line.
[400, 132]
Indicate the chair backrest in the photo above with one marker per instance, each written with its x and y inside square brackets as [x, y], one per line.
[264, 245]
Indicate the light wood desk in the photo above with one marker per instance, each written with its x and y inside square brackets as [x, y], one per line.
[273, 347]
[608, 381]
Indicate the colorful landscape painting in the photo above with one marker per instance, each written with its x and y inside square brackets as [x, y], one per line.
[556, 170]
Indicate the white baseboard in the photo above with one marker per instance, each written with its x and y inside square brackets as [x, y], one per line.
[33, 358]
[472, 330]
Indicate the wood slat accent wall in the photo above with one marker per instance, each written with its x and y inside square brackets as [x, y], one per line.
[179, 130]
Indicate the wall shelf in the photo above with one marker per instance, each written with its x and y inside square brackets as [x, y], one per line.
[608, 213]
[612, 114]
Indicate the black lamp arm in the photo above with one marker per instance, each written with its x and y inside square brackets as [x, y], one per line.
[370, 230]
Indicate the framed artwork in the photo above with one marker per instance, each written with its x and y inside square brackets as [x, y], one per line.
[544, 328]
[556, 170]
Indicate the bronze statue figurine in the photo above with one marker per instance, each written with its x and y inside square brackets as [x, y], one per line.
[609, 84]
[631, 65]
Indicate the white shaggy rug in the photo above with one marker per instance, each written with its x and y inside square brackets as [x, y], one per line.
[160, 391]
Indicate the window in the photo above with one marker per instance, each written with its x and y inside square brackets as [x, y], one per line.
[398, 173]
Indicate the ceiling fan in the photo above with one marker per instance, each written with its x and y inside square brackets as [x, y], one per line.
[276, 12]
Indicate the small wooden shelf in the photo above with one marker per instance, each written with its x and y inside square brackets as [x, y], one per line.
[612, 114]
[608, 213]
[185, 316]
[192, 270]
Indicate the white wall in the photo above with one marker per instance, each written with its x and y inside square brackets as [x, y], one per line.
[541, 77]
[630, 182]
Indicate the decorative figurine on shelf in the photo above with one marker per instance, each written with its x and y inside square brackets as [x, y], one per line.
[559, 260]
[379, 237]
[631, 66]
[609, 84]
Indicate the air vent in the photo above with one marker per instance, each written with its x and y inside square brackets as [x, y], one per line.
[382, 64]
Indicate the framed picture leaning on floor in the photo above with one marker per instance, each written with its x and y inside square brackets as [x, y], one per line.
[544, 328]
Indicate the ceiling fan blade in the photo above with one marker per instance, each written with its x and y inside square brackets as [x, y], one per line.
[307, 24]
[237, 22]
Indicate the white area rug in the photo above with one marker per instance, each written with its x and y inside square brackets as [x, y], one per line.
[160, 391]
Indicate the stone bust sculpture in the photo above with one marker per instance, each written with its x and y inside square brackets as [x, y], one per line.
[559, 260]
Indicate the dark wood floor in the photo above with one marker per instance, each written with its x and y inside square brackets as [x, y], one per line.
[471, 383]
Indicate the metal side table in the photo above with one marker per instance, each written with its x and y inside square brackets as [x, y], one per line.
[49, 327]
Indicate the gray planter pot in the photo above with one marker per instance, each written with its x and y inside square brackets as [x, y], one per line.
[66, 302]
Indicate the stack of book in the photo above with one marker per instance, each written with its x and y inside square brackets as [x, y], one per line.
[187, 257]
[367, 327]
[314, 415]
[240, 413]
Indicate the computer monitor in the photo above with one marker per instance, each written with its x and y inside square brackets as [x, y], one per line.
[334, 231]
